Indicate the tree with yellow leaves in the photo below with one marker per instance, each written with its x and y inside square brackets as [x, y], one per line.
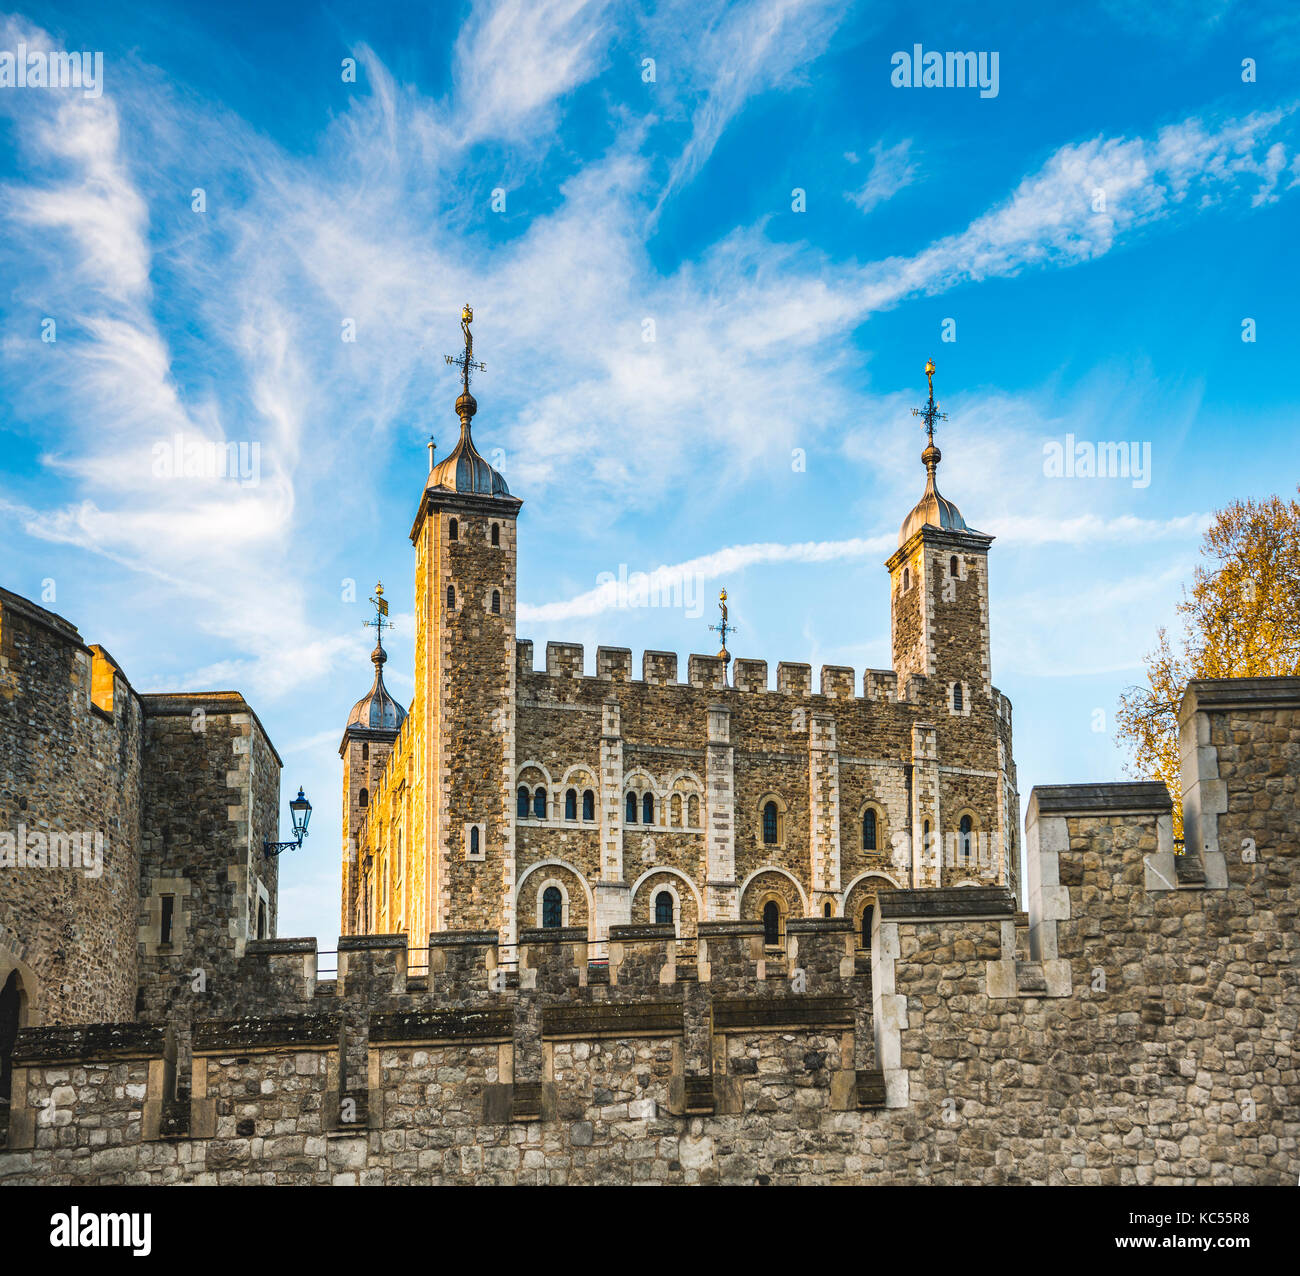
[1240, 619]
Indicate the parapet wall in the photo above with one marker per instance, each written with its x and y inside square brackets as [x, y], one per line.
[1136, 1027]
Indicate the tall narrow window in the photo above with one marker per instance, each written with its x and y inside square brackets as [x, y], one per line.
[453, 530]
[964, 836]
[648, 809]
[539, 803]
[693, 812]
[521, 802]
[677, 810]
[588, 805]
[952, 566]
[925, 837]
[496, 533]
[496, 602]
[867, 914]
[473, 840]
[451, 596]
[769, 823]
[956, 696]
[571, 804]
[552, 908]
[363, 799]
[365, 752]
[261, 919]
[771, 923]
[630, 813]
[868, 830]
[663, 909]
[907, 578]
[826, 909]
[168, 917]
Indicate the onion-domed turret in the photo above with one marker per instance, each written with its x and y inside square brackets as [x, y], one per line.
[377, 710]
[933, 509]
[463, 469]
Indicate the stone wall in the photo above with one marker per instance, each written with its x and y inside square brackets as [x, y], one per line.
[1137, 1027]
[70, 758]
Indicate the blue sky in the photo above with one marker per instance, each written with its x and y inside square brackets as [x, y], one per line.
[777, 334]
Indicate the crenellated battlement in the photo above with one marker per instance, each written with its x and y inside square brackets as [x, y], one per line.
[567, 660]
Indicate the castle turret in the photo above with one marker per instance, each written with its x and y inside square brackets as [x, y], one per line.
[368, 739]
[464, 537]
[939, 611]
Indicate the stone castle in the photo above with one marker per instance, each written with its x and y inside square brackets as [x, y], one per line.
[510, 798]
[616, 930]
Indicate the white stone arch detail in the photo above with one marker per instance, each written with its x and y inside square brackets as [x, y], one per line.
[533, 763]
[570, 781]
[862, 877]
[689, 776]
[674, 872]
[773, 868]
[541, 864]
[639, 773]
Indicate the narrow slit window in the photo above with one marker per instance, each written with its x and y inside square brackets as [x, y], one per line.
[168, 918]
[869, 831]
[769, 824]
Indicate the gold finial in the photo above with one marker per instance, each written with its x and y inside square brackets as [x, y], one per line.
[465, 405]
[380, 622]
[930, 413]
[723, 628]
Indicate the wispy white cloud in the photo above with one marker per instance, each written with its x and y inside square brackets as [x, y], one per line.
[892, 169]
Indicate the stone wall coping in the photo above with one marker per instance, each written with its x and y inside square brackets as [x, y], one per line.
[819, 925]
[359, 943]
[275, 947]
[930, 904]
[411, 1027]
[717, 930]
[553, 935]
[37, 1046]
[646, 930]
[1209, 694]
[1136, 797]
[463, 938]
[253, 1033]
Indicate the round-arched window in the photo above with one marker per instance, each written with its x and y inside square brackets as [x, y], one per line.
[552, 908]
[663, 909]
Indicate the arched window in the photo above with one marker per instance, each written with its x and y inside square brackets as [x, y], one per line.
[952, 566]
[552, 908]
[571, 804]
[453, 530]
[826, 909]
[363, 799]
[769, 823]
[648, 808]
[631, 808]
[261, 919]
[521, 802]
[867, 914]
[907, 578]
[451, 596]
[473, 840]
[771, 923]
[956, 696]
[869, 832]
[496, 533]
[365, 752]
[964, 836]
[588, 805]
[663, 909]
[925, 837]
[693, 811]
[676, 810]
[496, 602]
[539, 803]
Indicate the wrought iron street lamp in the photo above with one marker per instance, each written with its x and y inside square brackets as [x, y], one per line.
[300, 809]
